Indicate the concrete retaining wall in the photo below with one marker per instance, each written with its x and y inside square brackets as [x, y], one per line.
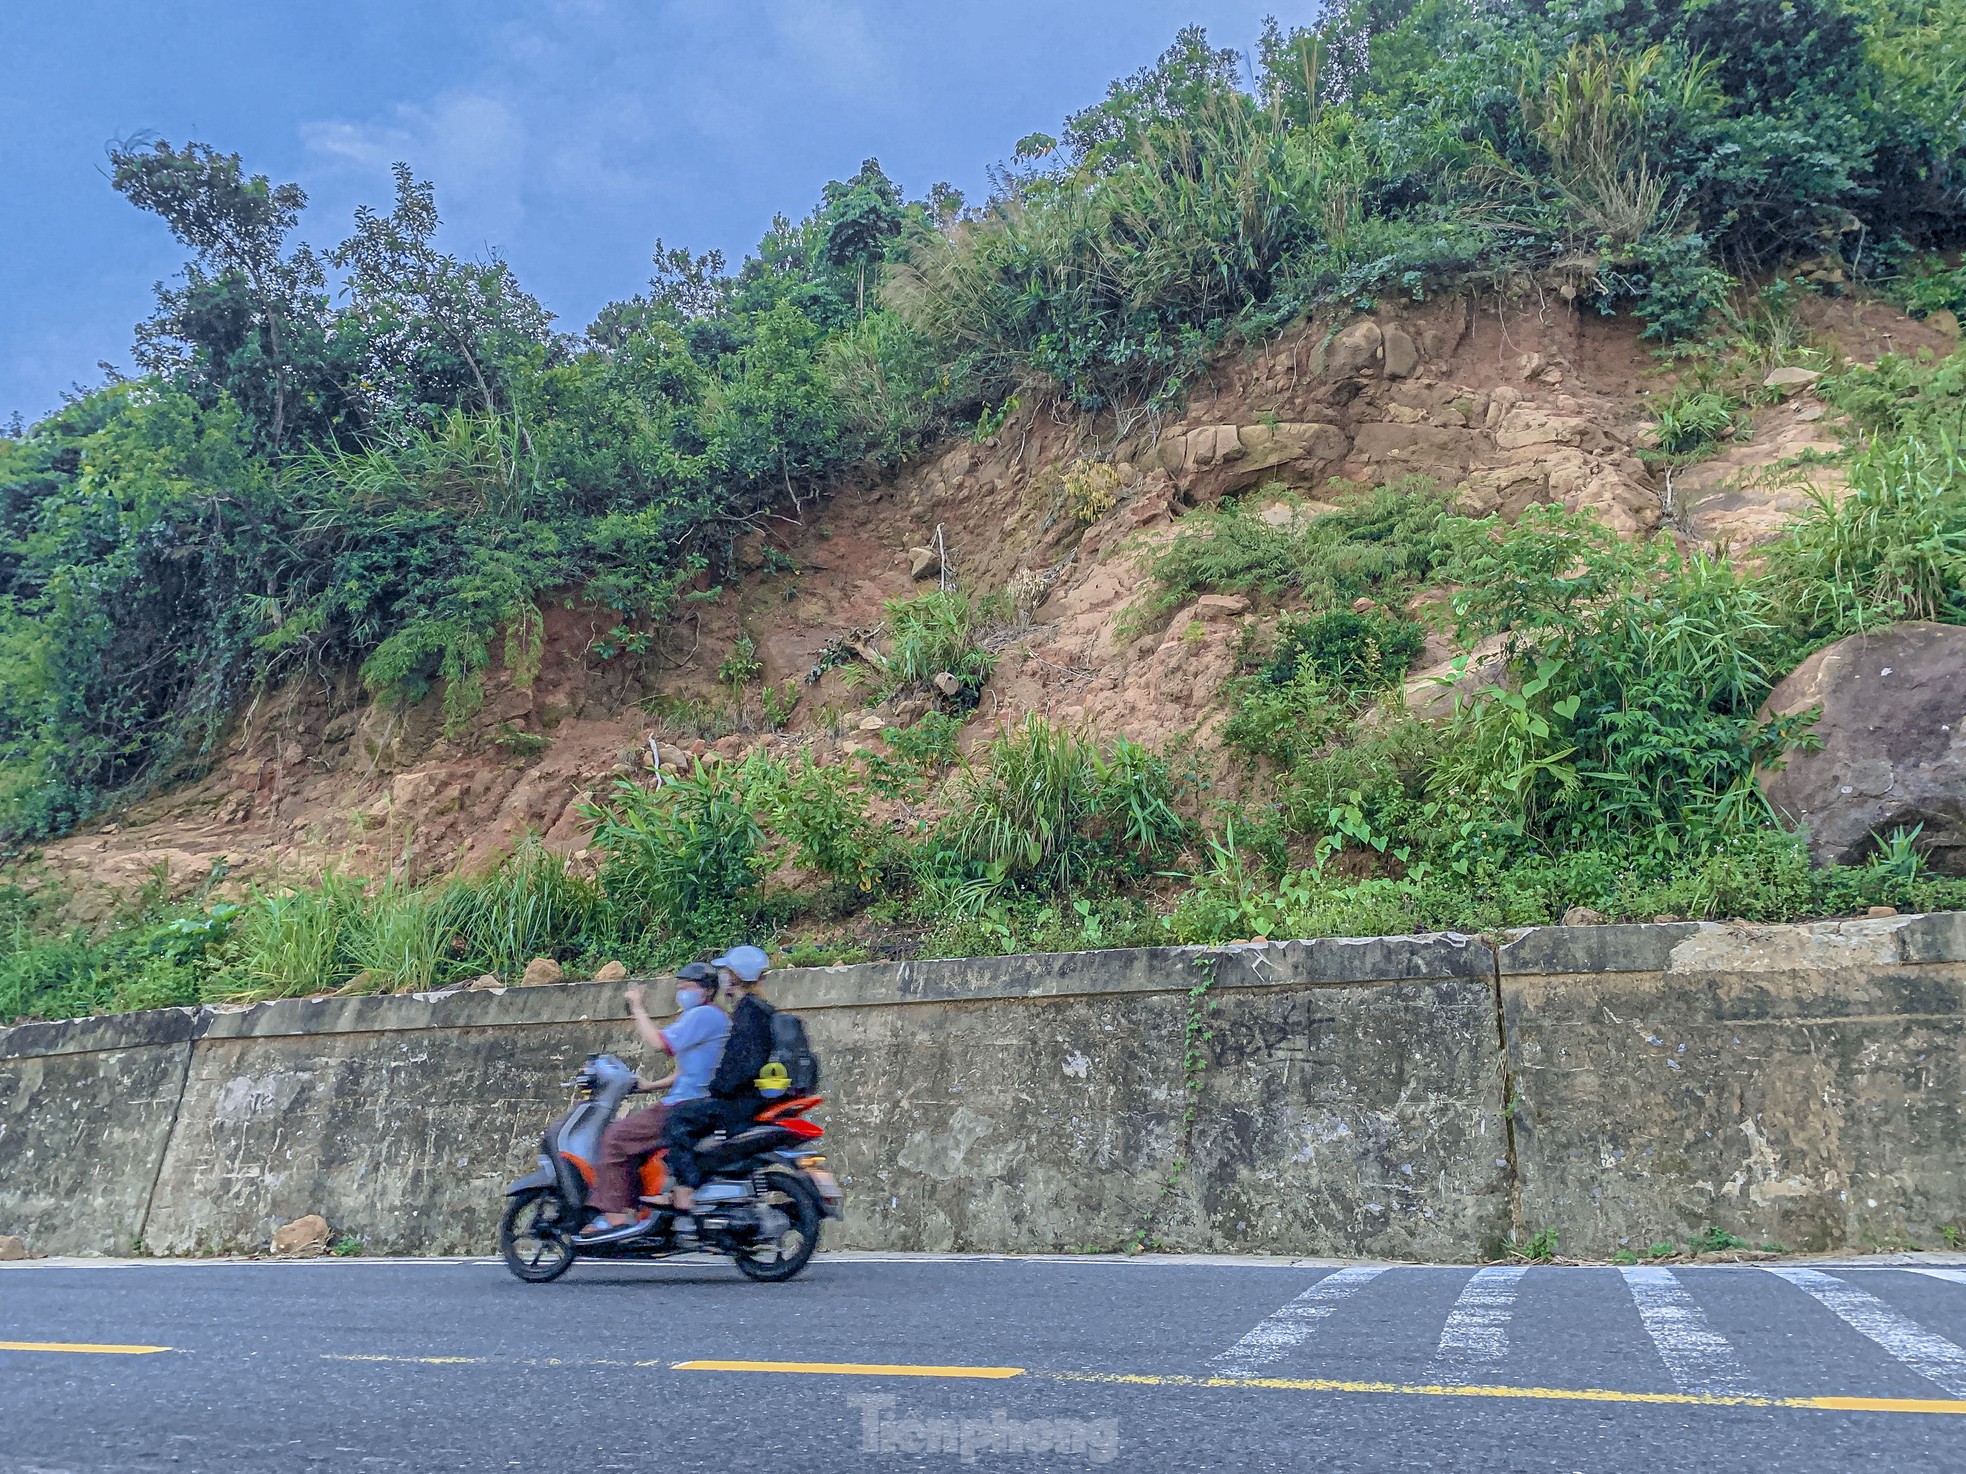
[1415, 1097]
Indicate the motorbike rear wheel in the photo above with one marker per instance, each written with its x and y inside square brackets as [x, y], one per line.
[776, 1260]
[534, 1237]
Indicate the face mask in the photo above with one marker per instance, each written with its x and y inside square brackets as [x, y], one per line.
[687, 998]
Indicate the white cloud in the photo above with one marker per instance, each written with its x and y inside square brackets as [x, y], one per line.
[474, 145]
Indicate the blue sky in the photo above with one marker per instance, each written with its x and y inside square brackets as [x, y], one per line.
[566, 134]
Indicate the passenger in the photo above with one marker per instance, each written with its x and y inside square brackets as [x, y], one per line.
[734, 1097]
[695, 1039]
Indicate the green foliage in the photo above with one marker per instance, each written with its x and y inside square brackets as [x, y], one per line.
[1539, 1248]
[1049, 809]
[933, 633]
[822, 813]
[1377, 543]
[741, 667]
[1893, 548]
[1639, 672]
[1358, 653]
[1691, 421]
[1711, 1240]
[684, 860]
[290, 942]
[531, 906]
[930, 744]
[399, 939]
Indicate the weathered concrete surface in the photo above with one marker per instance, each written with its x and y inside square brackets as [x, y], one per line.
[1349, 1103]
[1793, 1084]
[85, 1112]
[1801, 1084]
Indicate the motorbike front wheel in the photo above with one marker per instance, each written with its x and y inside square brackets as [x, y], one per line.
[779, 1259]
[534, 1237]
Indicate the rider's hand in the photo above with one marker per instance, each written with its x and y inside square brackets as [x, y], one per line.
[633, 994]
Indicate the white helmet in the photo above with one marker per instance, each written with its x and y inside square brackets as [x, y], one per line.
[748, 962]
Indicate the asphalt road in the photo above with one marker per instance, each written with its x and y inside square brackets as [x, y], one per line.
[921, 1363]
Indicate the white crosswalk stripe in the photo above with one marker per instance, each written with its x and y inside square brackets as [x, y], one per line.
[1956, 1276]
[1477, 1331]
[1272, 1338]
[1931, 1355]
[1698, 1357]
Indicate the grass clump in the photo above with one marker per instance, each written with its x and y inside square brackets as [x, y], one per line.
[1378, 543]
[934, 634]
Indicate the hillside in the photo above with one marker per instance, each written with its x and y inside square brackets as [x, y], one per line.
[1505, 405]
[1331, 494]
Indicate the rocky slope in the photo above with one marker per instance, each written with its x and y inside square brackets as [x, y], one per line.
[1511, 401]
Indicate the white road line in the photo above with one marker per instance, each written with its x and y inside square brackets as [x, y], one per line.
[1698, 1356]
[1956, 1276]
[1477, 1330]
[1929, 1354]
[1272, 1339]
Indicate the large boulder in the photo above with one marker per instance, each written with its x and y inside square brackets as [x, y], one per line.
[1893, 755]
[305, 1236]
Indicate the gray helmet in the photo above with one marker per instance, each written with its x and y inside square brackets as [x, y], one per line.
[748, 962]
[700, 973]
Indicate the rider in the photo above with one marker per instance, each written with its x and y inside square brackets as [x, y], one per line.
[695, 1039]
[733, 1097]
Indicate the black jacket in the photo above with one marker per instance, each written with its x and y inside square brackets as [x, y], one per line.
[745, 1052]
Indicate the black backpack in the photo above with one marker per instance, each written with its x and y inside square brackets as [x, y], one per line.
[793, 1068]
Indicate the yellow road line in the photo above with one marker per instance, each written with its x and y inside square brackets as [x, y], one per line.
[84, 1348]
[1143, 1379]
[1544, 1394]
[846, 1369]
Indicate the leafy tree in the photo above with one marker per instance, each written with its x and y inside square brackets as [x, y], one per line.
[249, 320]
[436, 328]
[860, 217]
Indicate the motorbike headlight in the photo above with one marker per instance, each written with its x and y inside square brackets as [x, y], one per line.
[812, 1162]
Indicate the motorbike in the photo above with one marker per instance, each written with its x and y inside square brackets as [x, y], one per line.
[765, 1195]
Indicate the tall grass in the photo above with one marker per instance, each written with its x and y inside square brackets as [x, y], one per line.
[933, 633]
[1893, 548]
[291, 942]
[683, 860]
[1378, 542]
[399, 938]
[531, 906]
[1050, 806]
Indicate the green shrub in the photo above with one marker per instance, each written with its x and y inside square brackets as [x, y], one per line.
[930, 744]
[1691, 421]
[1049, 809]
[822, 812]
[531, 906]
[1358, 653]
[934, 633]
[1377, 543]
[684, 859]
[1636, 678]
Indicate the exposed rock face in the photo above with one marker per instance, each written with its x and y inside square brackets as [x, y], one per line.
[1214, 461]
[1505, 406]
[1893, 729]
[304, 1236]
